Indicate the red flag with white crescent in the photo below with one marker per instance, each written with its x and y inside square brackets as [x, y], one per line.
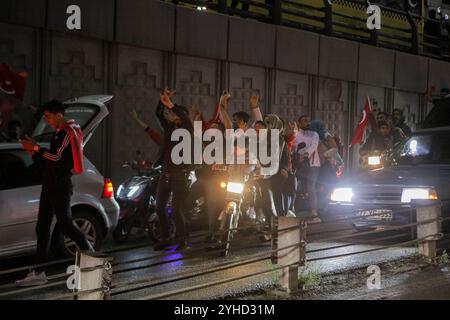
[12, 83]
[359, 132]
[5, 112]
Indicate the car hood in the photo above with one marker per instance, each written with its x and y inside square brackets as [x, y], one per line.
[405, 176]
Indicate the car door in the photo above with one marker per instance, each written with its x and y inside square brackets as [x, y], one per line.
[88, 112]
[20, 187]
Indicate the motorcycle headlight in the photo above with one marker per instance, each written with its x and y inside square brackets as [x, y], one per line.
[119, 191]
[409, 194]
[374, 160]
[134, 191]
[342, 195]
[235, 187]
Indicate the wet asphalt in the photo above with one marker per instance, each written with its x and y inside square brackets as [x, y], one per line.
[198, 273]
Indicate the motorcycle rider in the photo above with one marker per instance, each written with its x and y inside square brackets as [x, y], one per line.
[398, 121]
[241, 121]
[439, 115]
[383, 139]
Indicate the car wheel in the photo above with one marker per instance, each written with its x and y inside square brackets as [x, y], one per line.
[88, 223]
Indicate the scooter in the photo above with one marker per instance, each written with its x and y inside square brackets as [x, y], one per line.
[136, 198]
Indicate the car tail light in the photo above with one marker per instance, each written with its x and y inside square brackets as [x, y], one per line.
[108, 189]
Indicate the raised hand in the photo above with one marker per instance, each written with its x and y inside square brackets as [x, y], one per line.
[225, 99]
[194, 113]
[254, 101]
[166, 96]
[134, 114]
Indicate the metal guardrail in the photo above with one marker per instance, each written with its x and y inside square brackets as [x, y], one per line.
[117, 289]
[400, 30]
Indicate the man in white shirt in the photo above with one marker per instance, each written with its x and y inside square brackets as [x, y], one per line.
[311, 141]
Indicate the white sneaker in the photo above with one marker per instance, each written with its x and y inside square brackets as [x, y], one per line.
[291, 214]
[33, 279]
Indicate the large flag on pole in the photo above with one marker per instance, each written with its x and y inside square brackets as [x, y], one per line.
[12, 83]
[358, 135]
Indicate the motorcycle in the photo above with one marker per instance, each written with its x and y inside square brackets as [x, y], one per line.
[372, 160]
[136, 198]
[236, 204]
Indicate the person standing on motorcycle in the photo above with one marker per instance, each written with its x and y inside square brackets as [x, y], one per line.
[173, 178]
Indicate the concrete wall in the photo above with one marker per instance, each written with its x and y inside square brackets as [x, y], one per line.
[132, 49]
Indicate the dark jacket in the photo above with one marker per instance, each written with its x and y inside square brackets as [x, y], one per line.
[167, 145]
[57, 161]
[404, 127]
[439, 116]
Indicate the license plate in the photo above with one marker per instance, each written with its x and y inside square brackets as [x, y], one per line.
[376, 214]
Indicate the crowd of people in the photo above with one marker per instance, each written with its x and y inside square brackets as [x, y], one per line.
[309, 162]
[386, 131]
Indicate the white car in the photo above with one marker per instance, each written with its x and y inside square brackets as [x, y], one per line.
[94, 208]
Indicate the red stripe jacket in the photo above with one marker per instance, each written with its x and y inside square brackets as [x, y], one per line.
[76, 141]
[74, 136]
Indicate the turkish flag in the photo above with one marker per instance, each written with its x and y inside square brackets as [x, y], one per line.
[359, 132]
[5, 112]
[12, 83]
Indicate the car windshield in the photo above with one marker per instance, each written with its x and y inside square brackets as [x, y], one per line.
[423, 149]
[81, 113]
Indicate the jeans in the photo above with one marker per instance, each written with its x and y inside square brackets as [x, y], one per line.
[265, 200]
[55, 200]
[175, 184]
[311, 182]
[208, 186]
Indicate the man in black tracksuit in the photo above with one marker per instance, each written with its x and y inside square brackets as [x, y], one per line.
[57, 163]
[173, 178]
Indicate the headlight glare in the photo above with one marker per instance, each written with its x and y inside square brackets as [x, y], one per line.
[374, 160]
[409, 194]
[235, 187]
[342, 195]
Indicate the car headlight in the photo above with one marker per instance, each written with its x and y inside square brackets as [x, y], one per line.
[409, 194]
[235, 187]
[374, 160]
[342, 195]
[134, 191]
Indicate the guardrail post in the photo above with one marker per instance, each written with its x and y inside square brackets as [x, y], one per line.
[428, 210]
[328, 30]
[222, 6]
[95, 272]
[415, 47]
[292, 257]
[374, 37]
[276, 12]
